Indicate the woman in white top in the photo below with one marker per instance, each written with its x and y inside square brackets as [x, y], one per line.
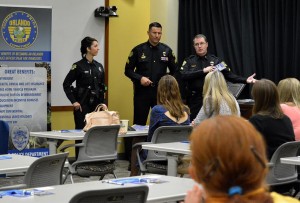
[217, 100]
[289, 96]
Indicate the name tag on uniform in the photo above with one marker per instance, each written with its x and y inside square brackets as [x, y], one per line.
[193, 66]
[164, 58]
[86, 71]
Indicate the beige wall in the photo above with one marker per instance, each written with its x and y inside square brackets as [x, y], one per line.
[168, 19]
[125, 32]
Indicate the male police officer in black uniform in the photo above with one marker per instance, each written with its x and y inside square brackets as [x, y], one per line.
[89, 77]
[146, 64]
[194, 70]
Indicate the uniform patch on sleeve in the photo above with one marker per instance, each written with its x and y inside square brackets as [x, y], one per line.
[131, 53]
[73, 66]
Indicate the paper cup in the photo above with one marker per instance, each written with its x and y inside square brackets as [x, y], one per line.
[124, 126]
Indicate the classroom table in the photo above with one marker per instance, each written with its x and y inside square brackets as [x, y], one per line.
[15, 164]
[54, 136]
[173, 189]
[173, 150]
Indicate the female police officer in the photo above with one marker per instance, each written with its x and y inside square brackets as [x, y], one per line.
[89, 77]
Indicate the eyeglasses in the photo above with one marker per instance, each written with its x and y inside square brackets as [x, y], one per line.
[199, 44]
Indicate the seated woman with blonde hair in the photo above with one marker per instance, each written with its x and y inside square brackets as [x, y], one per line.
[229, 161]
[289, 96]
[217, 99]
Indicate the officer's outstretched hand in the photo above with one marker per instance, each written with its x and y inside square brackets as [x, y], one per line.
[251, 79]
[145, 81]
[77, 106]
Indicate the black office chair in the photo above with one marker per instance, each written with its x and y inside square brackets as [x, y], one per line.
[128, 194]
[97, 153]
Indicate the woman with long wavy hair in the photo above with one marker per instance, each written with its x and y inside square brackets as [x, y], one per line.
[169, 111]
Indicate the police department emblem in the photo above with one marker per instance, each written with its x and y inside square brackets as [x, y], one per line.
[19, 30]
[20, 137]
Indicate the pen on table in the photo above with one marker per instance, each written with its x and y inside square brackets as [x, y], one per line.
[111, 182]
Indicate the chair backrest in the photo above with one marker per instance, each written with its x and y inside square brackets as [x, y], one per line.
[135, 194]
[100, 143]
[4, 136]
[165, 134]
[46, 171]
[283, 173]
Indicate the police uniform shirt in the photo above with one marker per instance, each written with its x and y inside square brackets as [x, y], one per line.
[146, 60]
[192, 71]
[85, 74]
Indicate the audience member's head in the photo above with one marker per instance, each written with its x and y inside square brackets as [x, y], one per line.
[289, 91]
[229, 160]
[215, 90]
[266, 99]
[168, 95]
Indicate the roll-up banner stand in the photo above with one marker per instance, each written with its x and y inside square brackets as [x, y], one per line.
[25, 76]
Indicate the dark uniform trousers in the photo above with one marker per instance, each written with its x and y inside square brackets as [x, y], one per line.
[144, 99]
[194, 100]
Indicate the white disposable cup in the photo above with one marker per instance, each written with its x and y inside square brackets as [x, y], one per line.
[124, 126]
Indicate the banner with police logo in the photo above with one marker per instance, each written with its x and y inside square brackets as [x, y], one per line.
[25, 75]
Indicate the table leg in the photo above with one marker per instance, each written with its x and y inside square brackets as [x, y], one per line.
[52, 146]
[172, 165]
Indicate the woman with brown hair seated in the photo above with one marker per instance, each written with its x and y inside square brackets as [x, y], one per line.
[229, 161]
[268, 118]
[169, 111]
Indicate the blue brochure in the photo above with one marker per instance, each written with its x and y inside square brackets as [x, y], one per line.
[134, 181]
[4, 157]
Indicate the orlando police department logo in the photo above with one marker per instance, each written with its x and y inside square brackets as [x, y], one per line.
[19, 30]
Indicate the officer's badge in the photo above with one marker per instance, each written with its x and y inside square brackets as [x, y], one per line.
[164, 53]
[143, 56]
[20, 137]
[74, 66]
[193, 66]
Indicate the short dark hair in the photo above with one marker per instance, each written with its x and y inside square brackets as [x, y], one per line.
[200, 36]
[154, 24]
[86, 43]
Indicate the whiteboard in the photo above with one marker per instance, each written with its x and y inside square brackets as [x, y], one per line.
[72, 20]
